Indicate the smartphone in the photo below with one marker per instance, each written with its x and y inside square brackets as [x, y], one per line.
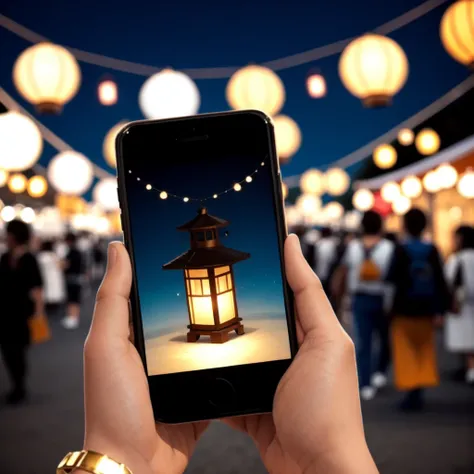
[203, 221]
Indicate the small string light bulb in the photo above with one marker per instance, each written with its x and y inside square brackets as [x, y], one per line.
[237, 187]
[163, 195]
[248, 179]
[186, 199]
[148, 187]
[215, 196]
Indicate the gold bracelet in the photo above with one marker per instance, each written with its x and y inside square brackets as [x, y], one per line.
[92, 462]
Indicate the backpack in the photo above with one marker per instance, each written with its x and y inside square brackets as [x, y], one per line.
[422, 283]
[369, 270]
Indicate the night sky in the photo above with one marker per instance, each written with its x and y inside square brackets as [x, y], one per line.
[252, 229]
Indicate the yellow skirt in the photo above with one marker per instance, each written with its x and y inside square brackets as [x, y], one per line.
[414, 352]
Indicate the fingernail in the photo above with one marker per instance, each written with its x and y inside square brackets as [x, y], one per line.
[111, 256]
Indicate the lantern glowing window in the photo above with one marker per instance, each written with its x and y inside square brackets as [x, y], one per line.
[47, 75]
[107, 92]
[373, 68]
[431, 182]
[316, 85]
[37, 186]
[411, 187]
[401, 205]
[312, 182]
[427, 142]
[465, 185]
[287, 137]
[21, 143]
[457, 31]
[169, 94]
[71, 173]
[447, 175]
[405, 136]
[108, 147]
[17, 183]
[336, 181]
[105, 194]
[363, 200]
[3, 178]
[390, 191]
[308, 204]
[385, 156]
[256, 87]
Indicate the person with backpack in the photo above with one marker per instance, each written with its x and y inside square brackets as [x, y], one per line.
[366, 262]
[421, 298]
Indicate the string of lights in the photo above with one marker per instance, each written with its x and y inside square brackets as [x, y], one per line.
[225, 72]
[237, 186]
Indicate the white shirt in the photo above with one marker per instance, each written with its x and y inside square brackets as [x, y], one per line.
[353, 257]
[325, 254]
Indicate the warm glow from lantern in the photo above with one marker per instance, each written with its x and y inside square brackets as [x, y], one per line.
[447, 175]
[457, 31]
[293, 215]
[284, 190]
[102, 225]
[3, 177]
[336, 181]
[47, 75]
[333, 211]
[465, 185]
[427, 142]
[256, 87]
[8, 214]
[401, 205]
[390, 191]
[17, 183]
[21, 142]
[105, 194]
[70, 172]
[385, 156]
[312, 182]
[373, 68]
[287, 137]
[308, 204]
[37, 186]
[108, 147]
[411, 187]
[431, 182]
[107, 92]
[28, 215]
[169, 94]
[363, 200]
[316, 85]
[406, 136]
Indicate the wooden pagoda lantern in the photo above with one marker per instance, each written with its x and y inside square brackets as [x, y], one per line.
[209, 280]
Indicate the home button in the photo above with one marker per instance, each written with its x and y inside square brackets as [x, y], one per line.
[221, 393]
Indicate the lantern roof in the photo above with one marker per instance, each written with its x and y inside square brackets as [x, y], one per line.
[203, 221]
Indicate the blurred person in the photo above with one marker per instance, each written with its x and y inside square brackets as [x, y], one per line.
[421, 297]
[73, 272]
[366, 262]
[21, 297]
[459, 271]
[52, 275]
[99, 259]
[316, 424]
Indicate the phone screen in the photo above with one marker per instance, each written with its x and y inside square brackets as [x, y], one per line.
[206, 254]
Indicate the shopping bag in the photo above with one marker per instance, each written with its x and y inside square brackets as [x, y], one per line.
[39, 329]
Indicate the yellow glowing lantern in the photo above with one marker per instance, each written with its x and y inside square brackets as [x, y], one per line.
[431, 182]
[390, 191]
[316, 85]
[336, 181]
[308, 204]
[37, 186]
[69, 205]
[411, 187]
[107, 92]
[70, 172]
[457, 31]
[256, 87]
[333, 211]
[385, 156]
[363, 200]
[28, 215]
[401, 205]
[427, 142]
[47, 75]
[108, 147]
[465, 185]
[405, 136]
[312, 182]
[287, 137]
[373, 68]
[8, 213]
[447, 175]
[209, 280]
[105, 194]
[3, 177]
[17, 183]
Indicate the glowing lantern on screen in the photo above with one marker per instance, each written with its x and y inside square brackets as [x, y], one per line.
[37, 186]
[431, 182]
[401, 205]
[256, 87]
[405, 136]
[71, 173]
[105, 194]
[390, 191]
[3, 178]
[287, 137]
[108, 147]
[209, 280]
[411, 187]
[447, 175]
[336, 181]
[457, 32]
[312, 182]
[17, 183]
[47, 75]
[427, 142]
[465, 185]
[385, 156]
[363, 200]
[316, 85]
[107, 92]
[169, 94]
[373, 68]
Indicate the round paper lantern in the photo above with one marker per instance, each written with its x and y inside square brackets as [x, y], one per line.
[431, 182]
[108, 147]
[405, 136]
[8, 214]
[316, 85]
[287, 137]
[105, 194]
[70, 173]
[17, 183]
[363, 200]
[256, 87]
[107, 92]
[385, 156]
[312, 182]
[401, 205]
[28, 215]
[308, 204]
[3, 178]
[390, 191]
[21, 143]
[352, 220]
[333, 211]
[447, 174]
[37, 186]
[427, 142]
[168, 94]
[373, 68]
[411, 187]
[336, 181]
[466, 184]
[457, 32]
[47, 75]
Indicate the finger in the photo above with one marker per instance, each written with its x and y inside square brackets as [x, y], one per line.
[111, 314]
[313, 307]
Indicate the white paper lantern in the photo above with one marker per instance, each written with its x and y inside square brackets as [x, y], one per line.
[28, 215]
[363, 200]
[333, 211]
[8, 214]
[70, 172]
[411, 187]
[105, 194]
[312, 182]
[351, 220]
[401, 205]
[447, 175]
[336, 181]
[169, 94]
[308, 204]
[108, 147]
[390, 191]
[287, 137]
[406, 136]
[431, 182]
[466, 184]
[21, 143]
